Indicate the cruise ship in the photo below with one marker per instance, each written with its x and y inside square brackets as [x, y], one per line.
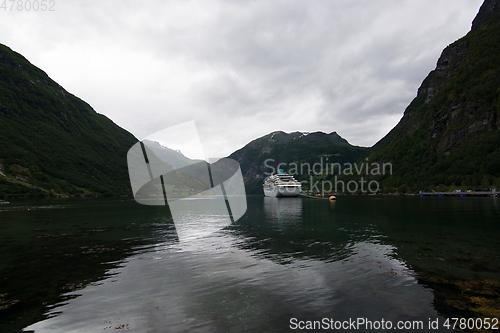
[281, 185]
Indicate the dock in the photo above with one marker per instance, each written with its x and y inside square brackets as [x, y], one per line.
[315, 196]
[460, 194]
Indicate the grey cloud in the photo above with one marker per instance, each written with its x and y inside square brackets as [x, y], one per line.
[249, 67]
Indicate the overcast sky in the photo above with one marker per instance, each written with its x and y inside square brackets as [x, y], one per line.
[241, 69]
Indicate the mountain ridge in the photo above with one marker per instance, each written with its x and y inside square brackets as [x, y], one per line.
[260, 156]
[53, 143]
[171, 156]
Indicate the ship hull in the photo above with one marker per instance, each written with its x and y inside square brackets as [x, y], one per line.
[283, 192]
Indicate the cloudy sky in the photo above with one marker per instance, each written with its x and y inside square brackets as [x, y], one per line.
[241, 69]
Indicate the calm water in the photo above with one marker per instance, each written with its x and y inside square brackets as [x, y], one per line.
[98, 265]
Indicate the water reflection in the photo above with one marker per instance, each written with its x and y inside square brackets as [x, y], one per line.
[208, 285]
[50, 247]
[111, 264]
[451, 244]
[299, 228]
[283, 210]
[332, 204]
[454, 237]
[199, 217]
[276, 263]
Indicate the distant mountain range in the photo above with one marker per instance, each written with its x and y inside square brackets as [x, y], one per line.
[173, 157]
[52, 143]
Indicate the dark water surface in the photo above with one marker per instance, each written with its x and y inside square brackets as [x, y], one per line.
[99, 265]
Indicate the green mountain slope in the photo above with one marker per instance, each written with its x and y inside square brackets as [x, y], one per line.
[262, 156]
[53, 143]
[449, 135]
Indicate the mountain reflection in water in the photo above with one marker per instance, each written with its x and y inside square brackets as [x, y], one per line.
[285, 258]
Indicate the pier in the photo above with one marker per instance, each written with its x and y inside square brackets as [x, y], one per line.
[460, 194]
[313, 196]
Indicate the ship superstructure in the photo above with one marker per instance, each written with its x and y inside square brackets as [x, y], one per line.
[281, 185]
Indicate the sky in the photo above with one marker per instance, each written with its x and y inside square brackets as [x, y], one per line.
[240, 69]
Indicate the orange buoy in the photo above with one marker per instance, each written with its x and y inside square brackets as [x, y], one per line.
[331, 198]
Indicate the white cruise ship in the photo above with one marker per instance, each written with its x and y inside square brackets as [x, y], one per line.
[281, 185]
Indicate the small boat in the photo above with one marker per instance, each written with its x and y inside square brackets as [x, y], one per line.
[281, 185]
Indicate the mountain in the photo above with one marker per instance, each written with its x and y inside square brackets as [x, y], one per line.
[173, 157]
[449, 135]
[53, 143]
[190, 176]
[261, 157]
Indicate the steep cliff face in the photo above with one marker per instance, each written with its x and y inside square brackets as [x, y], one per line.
[450, 132]
[489, 10]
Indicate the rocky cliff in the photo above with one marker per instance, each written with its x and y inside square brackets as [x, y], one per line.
[488, 11]
[450, 132]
